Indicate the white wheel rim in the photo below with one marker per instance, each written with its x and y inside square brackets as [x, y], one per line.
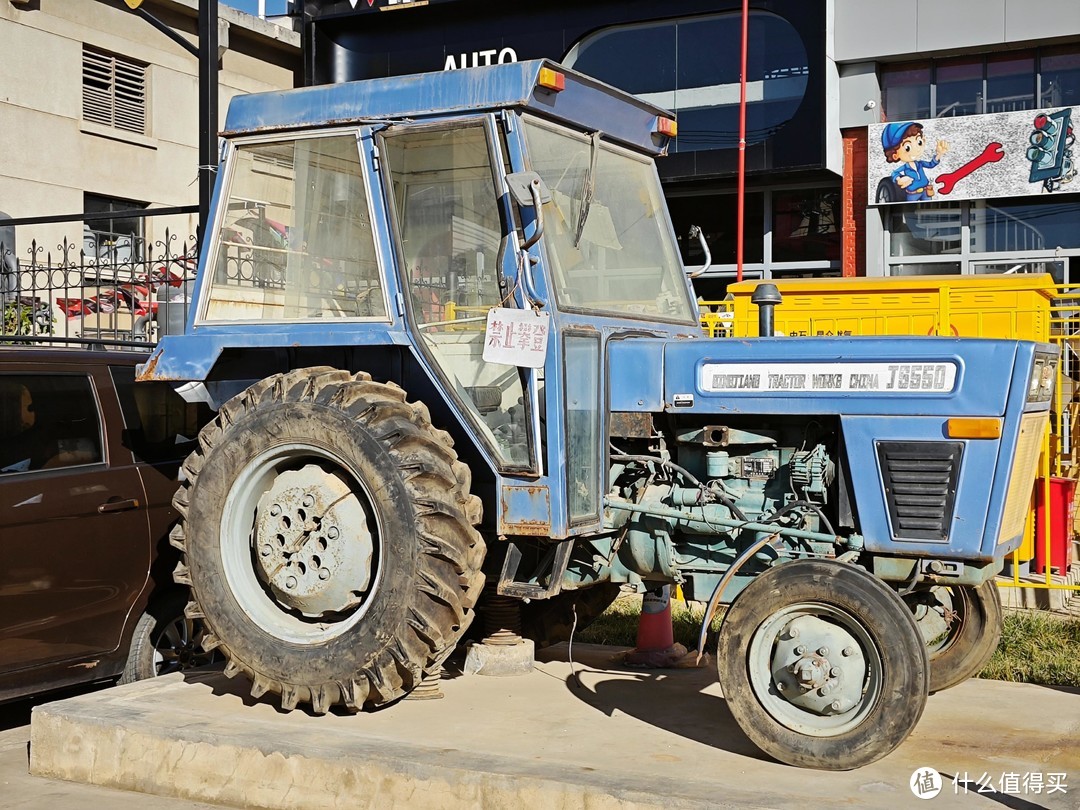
[267, 606]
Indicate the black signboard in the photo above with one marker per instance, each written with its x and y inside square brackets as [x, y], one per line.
[345, 40]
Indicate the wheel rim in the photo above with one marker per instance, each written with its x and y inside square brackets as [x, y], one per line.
[300, 543]
[178, 647]
[815, 669]
[940, 615]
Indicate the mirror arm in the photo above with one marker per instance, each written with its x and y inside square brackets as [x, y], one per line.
[696, 231]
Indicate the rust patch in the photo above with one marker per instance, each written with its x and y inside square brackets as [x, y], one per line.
[525, 510]
[147, 371]
[631, 425]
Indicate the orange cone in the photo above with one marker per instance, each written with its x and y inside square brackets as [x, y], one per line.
[656, 647]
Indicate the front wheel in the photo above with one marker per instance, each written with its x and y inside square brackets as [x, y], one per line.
[328, 539]
[822, 665]
[961, 626]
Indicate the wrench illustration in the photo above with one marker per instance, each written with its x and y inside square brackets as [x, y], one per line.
[991, 154]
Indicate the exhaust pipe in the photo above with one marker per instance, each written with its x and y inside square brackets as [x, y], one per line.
[766, 297]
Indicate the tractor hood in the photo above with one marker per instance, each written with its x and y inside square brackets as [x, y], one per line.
[789, 375]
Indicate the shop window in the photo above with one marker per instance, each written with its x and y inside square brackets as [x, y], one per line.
[806, 226]
[905, 92]
[678, 65]
[717, 215]
[1060, 85]
[959, 88]
[1010, 82]
[1004, 82]
[114, 91]
[925, 230]
[1017, 225]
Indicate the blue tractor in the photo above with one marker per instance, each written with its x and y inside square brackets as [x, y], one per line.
[445, 324]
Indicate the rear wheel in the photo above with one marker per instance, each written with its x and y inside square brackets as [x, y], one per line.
[328, 540]
[961, 626]
[822, 665]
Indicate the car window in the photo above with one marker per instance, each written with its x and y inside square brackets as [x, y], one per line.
[160, 425]
[48, 421]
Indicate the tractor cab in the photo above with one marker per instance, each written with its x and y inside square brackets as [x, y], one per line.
[398, 213]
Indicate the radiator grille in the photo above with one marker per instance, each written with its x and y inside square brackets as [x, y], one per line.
[920, 487]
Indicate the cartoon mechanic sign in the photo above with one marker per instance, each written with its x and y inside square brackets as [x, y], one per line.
[1003, 154]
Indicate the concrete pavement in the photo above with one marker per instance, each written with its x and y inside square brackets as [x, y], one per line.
[619, 739]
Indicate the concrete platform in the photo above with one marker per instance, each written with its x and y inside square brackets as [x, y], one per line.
[619, 739]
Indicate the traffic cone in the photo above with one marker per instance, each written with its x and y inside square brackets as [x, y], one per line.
[656, 647]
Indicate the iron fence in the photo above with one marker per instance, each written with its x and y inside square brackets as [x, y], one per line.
[93, 292]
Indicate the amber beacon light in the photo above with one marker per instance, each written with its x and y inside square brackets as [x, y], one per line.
[667, 126]
[551, 80]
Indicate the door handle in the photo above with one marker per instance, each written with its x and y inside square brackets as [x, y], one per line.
[119, 505]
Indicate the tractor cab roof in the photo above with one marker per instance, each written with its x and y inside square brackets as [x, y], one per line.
[539, 86]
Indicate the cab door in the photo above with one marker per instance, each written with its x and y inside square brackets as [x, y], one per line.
[74, 546]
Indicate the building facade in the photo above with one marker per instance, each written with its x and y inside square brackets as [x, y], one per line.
[99, 113]
[822, 78]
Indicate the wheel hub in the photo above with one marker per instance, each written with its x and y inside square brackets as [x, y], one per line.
[312, 542]
[818, 666]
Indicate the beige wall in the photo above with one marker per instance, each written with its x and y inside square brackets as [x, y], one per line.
[51, 156]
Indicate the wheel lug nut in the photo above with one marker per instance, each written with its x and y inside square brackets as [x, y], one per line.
[309, 501]
[324, 574]
[824, 690]
[835, 672]
[849, 651]
[800, 650]
[290, 583]
[275, 510]
[332, 532]
[823, 651]
[266, 551]
[780, 686]
[793, 632]
[835, 705]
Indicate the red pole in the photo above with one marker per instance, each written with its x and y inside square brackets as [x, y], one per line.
[741, 202]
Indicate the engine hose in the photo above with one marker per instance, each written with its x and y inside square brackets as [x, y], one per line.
[685, 473]
[718, 591]
[804, 505]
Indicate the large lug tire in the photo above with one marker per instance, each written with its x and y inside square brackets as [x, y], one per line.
[550, 621]
[961, 626]
[327, 532]
[822, 665]
[165, 641]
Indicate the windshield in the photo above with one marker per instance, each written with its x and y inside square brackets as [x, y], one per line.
[609, 245]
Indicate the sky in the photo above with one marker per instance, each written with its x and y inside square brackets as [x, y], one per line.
[252, 6]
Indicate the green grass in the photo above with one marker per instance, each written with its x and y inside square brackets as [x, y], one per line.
[1036, 647]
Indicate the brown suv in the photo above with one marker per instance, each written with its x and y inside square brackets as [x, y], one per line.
[88, 466]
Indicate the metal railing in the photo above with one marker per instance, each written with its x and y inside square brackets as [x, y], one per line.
[62, 293]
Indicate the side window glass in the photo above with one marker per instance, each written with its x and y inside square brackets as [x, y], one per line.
[295, 241]
[160, 425]
[47, 421]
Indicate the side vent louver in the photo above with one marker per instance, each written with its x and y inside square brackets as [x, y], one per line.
[920, 487]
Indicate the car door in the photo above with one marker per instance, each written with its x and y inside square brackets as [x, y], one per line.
[74, 549]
